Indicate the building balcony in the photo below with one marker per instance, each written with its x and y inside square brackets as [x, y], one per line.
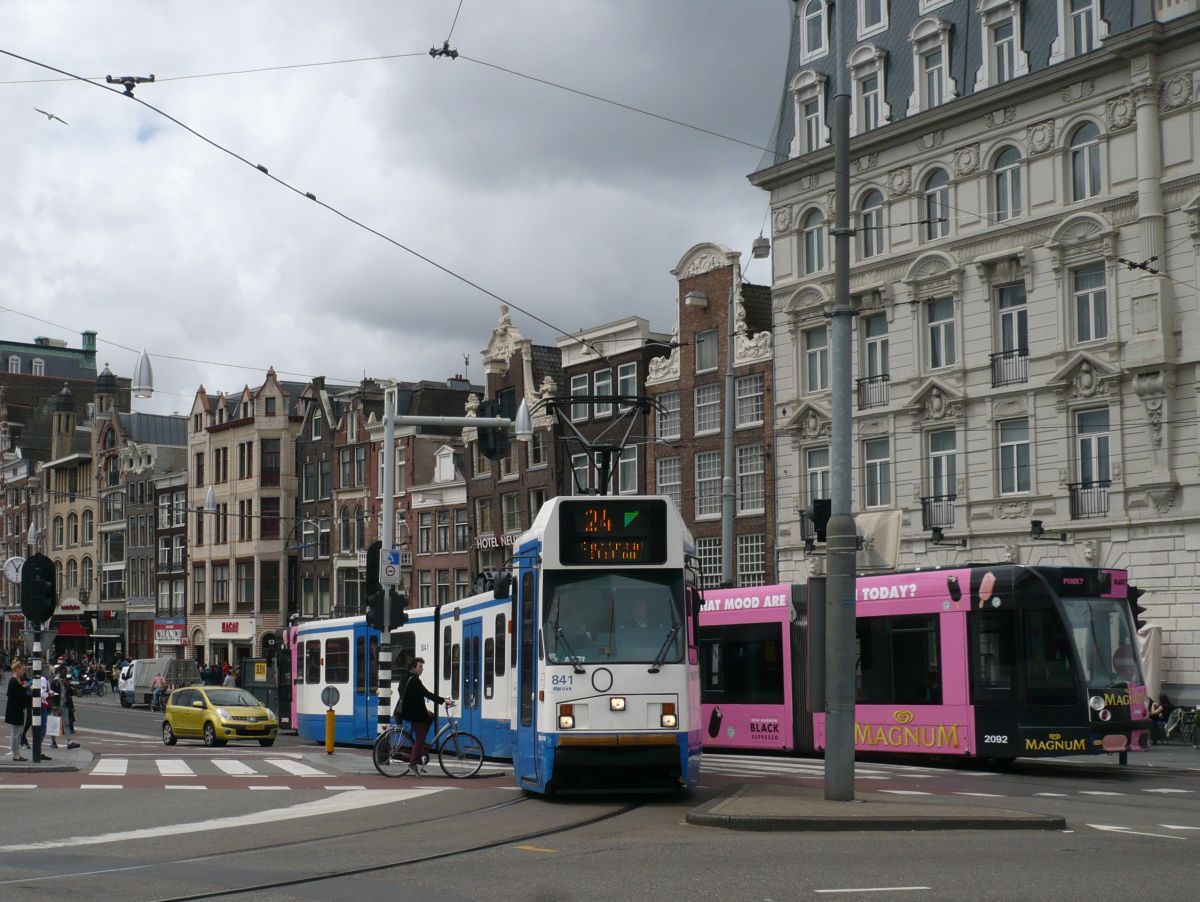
[874, 391]
[1089, 499]
[937, 511]
[1010, 367]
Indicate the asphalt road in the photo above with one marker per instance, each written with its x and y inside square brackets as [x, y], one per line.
[1133, 833]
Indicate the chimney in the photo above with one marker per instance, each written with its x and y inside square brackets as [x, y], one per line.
[89, 340]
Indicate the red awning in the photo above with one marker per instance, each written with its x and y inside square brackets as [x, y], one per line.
[71, 628]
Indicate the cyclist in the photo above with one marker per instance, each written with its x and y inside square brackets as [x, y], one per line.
[159, 686]
[412, 709]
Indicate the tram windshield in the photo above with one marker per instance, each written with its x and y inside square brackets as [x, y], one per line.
[1103, 637]
[613, 617]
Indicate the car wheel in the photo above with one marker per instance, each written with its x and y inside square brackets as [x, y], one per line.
[267, 743]
[210, 736]
[126, 702]
[169, 737]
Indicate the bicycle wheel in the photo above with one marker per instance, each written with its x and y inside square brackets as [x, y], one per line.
[461, 755]
[391, 752]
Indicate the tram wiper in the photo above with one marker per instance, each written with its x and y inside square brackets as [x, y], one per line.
[571, 656]
[662, 652]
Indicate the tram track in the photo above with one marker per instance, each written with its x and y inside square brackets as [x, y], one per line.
[400, 863]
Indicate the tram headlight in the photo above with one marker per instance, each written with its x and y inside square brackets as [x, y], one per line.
[668, 719]
[566, 717]
[616, 703]
[1096, 702]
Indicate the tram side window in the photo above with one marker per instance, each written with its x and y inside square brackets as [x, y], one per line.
[446, 641]
[526, 675]
[742, 665]
[899, 661]
[360, 671]
[312, 662]
[337, 660]
[373, 666]
[993, 655]
[1049, 679]
[501, 635]
[404, 648]
[489, 667]
[455, 670]
[513, 618]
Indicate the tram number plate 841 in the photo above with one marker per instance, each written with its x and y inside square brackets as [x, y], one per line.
[561, 682]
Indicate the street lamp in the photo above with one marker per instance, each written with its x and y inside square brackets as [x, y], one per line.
[143, 377]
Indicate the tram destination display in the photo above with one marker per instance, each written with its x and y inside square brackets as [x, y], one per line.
[603, 531]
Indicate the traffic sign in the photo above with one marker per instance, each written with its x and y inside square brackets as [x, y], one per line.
[330, 696]
[389, 568]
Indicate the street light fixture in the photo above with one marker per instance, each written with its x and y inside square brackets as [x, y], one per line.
[143, 377]
[524, 423]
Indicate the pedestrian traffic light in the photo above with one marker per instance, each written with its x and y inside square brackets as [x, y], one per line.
[374, 550]
[38, 595]
[1134, 593]
[818, 512]
[493, 440]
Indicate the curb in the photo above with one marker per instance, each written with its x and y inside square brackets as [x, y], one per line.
[52, 768]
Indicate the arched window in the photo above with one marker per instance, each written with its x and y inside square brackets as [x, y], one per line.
[1006, 183]
[72, 529]
[89, 522]
[360, 528]
[813, 229]
[58, 576]
[85, 574]
[14, 364]
[813, 28]
[58, 532]
[937, 205]
[346, 530]
[39, 366]
[72, 575]
[109, 440]
[1085, 161]
[871, 224]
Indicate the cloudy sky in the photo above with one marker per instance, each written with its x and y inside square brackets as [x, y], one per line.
[124, 223]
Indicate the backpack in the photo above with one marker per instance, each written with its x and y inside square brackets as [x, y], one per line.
[400, 687]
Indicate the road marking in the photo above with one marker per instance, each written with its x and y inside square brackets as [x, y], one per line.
[111, 767]
[1098, 792]
[269, 787]
[235, 768]
[877, 889]
[1052, 795]
[174, 767]
[101, 786]
[18, 786]
[1178, 827]
[295, 768]
[981, 795]
[346, 801]
[344, 787]
[1168, 790]
[142, 736]
[902, 792]
[535, 849]
[184, 786]
[1126, 831]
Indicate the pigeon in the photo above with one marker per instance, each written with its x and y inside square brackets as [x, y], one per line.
[51, 117]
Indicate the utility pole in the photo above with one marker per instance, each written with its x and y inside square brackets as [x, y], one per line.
[840, 533]
[389, 541]
[727, 495]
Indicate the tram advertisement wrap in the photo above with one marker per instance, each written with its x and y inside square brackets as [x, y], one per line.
[938, 730]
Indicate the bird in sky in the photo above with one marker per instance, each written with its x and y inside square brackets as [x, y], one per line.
[51, 117]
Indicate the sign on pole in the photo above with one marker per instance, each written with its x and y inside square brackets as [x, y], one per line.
[389, 568]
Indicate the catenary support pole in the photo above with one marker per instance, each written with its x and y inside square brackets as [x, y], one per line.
[840, 533]
[388, 540]
[727, 497]
[37, 693]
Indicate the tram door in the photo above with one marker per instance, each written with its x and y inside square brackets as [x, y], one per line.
[471, 694]
[364, 728]
[525, 761]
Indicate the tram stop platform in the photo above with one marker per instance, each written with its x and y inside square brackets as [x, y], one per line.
[774, 807]
[63, 761]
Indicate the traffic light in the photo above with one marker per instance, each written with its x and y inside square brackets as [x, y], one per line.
[1134, 593]
[375, 607]
[374, 550]
[818, 512]
[493, 441]
[38, 595]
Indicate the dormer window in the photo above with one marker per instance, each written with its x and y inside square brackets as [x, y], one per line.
[39, 366]
[14, 364]
[813, 29]
[269, 407]
[318, 426]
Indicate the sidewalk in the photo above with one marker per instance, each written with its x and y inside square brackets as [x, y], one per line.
[1172, 756]
[65, 761]
[764, 807]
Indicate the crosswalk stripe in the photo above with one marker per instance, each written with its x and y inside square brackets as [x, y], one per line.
[174, 767]
[344, 787]
[1052, 795]
[295, 768]
[18, 786]
[1098, 792]
[981, 795]
[235, 768]
[101, 786]
[269, 787]
[184, 786]
[111, 767]
[906, 792]
[1167, 790]
[1178, 827]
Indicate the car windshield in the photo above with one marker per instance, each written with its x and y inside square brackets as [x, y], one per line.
[1103, 637]
[602, 616]
[232, 698]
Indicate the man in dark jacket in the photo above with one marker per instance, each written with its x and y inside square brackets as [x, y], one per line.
[412, 709]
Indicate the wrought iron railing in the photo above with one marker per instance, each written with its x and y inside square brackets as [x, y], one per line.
[873, 391]
[937, 510]
[1010, 367]
[1089, 499]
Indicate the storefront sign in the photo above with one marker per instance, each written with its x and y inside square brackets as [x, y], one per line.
[240, 628]
[70, 606]
[494, 541]
[169, 632]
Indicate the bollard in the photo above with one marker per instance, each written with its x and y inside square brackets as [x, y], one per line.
[329, 732]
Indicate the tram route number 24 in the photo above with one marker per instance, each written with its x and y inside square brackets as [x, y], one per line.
[560, 682]
[995, 739]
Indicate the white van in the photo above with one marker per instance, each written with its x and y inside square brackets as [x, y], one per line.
[134, 682]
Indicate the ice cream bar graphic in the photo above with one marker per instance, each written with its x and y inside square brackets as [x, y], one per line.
[954, 587]
[714, 723]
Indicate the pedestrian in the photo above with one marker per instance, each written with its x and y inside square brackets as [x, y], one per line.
[414, 711]
[16, 708]
[229, 682]
[67, 705]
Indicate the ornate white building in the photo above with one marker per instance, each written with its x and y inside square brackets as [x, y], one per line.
[1027, 216]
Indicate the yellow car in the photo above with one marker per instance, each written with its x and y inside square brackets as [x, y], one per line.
[217, 715]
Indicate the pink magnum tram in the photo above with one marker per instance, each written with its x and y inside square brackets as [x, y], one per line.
[998, 661]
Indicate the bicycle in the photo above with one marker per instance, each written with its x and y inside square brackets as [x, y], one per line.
[460, 754]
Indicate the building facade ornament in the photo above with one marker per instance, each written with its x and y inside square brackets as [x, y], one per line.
[1079, 91]
[665, 369]
[866, 163]
[899, 180]
[702, 264]
[502, 344]
[1011, 553]
[1153, 389]
[748, 348]
[781, 219]
[1002, 116]
[1177, 91]
[931, 141]
[1121, 112]
[1039, 137]
[1013, 510]
[966, 160]
[1090, 550]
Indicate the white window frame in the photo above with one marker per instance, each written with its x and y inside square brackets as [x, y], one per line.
[1093, 449]
[668, 479]
[708, 485]
[707, 397]
[602, 384]
[876, 347]
[817, 473]
[864, 30]
[579, 386]
[867, 61]
[1010, 462]
[751, 559]
[14, 363]
[39, 366]
[816, 360]
[750, 476]
[581, 465]
[702, 339]
[1008, 186]
[667, 417]
[813, 11]
[1095, 298]
[993, 13]
[708, 550]
[943, 463]
[877, 473]
[812, 235]
[1065, 46]
[750, 389]
[1090, 157]
[935, 206]
[941, 334]
[812, 133]
[872, 225]
[627, 471]
[318, 427]
[1012, 332]
[627, 379]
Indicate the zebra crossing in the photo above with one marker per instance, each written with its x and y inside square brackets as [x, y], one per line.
[117, 766]
[756, 766]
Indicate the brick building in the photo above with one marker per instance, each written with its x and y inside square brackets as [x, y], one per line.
[170, 561]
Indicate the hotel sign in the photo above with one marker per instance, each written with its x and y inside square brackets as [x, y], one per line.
[494, 541]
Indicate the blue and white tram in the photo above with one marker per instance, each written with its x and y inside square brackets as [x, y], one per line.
[581, 666]
[342, 653]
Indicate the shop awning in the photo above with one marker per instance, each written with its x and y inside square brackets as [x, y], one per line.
[104, 635]
[71, 628]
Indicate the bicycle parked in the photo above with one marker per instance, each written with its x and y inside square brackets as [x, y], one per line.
[460, 754]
